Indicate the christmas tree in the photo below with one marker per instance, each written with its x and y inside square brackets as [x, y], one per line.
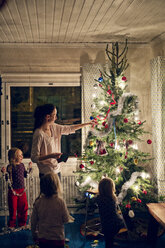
[111, 148]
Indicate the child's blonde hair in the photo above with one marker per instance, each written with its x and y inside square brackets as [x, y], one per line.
[13, 158]
[50, 184]
[13, 155]
[107, 188]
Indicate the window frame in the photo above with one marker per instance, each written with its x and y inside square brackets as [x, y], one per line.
[28, 80]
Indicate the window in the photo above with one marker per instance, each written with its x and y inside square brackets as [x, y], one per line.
[23, 92]
[23, 101]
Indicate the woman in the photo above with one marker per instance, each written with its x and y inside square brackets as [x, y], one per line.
[46, 146]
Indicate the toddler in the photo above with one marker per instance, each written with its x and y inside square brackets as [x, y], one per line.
[17, 200]
[111, 220]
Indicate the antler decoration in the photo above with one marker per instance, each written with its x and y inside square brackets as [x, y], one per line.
[118, 61]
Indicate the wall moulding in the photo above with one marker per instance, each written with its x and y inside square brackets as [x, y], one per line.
[51, 78]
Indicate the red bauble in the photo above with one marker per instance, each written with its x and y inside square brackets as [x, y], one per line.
[130, 142]
[125, 157]
[91, 162]
[125, 120]
[128, 205]
[81, 166]
[144, 191]
[124, 78]
[138, 200]
[111, 144]
[109, 92]
[149, 141]
[100, 85]
[106, 126]
[139, 122]
[104, 123]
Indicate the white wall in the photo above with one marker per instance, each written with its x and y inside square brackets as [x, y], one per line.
[54, 59]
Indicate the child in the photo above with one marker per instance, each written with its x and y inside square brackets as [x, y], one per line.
[49, 214]
[17, 200]
[111, 221]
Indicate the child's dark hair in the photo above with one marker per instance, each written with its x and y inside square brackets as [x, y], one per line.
[40, 114]
[50, 184]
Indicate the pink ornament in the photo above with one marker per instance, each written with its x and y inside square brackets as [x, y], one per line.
[149, 141]
[124, 79]
[125, 120]
[139, 122]
[100, 85]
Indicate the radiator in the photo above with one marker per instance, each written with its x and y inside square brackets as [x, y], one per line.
[70, 191]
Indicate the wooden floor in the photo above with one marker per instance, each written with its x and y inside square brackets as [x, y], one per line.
[23, 239]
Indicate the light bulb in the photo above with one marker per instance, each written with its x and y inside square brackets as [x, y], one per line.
[95, 86]
[117, 170]
[102, 102]
[136, 187]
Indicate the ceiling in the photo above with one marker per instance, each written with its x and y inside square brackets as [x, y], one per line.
[81, 21]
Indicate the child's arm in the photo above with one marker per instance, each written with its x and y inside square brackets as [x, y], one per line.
[29, 169]
[4, 172]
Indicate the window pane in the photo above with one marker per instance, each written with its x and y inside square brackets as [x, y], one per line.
[23, 102]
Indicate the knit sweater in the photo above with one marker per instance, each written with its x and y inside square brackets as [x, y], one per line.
[49, 216]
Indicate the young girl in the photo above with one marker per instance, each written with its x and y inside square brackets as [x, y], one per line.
[49, 214]
[46, 146]
[111, 220]
[17, 200]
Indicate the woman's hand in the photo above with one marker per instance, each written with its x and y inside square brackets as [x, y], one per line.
[56, 155]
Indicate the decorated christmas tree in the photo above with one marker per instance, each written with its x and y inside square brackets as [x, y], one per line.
[111, 148]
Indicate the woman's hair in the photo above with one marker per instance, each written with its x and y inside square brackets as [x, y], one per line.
[107, 188]
[13, 155]
[40, 114]
[50, 184]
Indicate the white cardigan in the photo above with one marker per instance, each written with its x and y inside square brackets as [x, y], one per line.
[43, 145]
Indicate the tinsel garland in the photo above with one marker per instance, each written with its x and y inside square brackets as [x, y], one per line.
[127, 185]
[112, 115]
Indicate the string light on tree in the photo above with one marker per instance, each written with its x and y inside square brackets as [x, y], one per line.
[112, 143]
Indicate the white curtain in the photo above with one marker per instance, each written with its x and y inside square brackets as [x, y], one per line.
[158, 120]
